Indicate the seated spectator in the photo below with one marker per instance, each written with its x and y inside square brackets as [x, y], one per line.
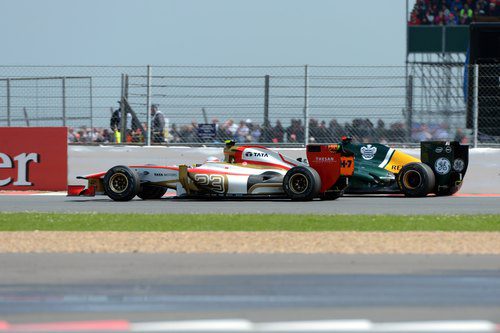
[243, 131]
[278, 132]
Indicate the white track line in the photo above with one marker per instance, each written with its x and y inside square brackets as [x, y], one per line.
[437, 326]
[231, 325]
[362, 325]
[242, 325]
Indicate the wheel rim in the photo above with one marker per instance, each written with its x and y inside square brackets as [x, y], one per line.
[118, 183]
[298, 183]
[412, 179]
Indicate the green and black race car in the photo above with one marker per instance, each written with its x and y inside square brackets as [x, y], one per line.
[381, 169]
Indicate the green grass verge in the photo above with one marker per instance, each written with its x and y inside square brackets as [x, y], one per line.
[236, 222]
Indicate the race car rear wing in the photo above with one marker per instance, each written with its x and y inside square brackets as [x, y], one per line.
[449, 161]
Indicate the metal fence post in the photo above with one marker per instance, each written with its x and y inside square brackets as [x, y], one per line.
[26, 118]
[476, 104]
[148, 105]
[266, 110]
[123, 111]
[91, 106]
[409, 105]
[64, 101]
[8, 102]
[306, 105]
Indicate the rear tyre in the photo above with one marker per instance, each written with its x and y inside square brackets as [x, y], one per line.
[149, 192]
[121, 183]
[302, 183]
[416, 180]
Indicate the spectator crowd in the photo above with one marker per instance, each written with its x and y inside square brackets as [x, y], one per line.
[247, 131]
[452, 12]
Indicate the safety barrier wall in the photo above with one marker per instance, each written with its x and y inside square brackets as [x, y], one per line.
[483, 175]
[33, 158]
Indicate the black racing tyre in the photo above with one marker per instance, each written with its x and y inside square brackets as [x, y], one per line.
[416, 180]
[121, 183]
[332, 195]
[302, 183]
[149, 192]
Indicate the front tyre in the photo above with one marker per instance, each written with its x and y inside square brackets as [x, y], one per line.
[302, 183]
[121, 183]
[416, 180]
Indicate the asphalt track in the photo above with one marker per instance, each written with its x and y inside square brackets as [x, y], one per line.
[138, 287]
[345, 205]
[157, 287]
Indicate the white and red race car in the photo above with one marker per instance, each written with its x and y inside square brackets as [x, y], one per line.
[246, 171]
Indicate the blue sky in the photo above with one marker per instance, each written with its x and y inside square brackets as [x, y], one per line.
[202, 32]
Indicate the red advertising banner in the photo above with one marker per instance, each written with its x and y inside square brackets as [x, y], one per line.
[33, 158]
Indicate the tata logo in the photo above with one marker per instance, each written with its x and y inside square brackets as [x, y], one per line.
[256, 154]
[368, 152]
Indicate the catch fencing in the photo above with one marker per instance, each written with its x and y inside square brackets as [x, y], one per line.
[282, 105]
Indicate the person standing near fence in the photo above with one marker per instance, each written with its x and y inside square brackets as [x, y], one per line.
[115, 123]
[157, 124]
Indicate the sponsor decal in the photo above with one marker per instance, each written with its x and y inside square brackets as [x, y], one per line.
[442, 166]
[323, 159]
[333, 148]
[458, 165]
[159, 174]
[368, 152]
[256, 154]
[33, 158]
[439, 150]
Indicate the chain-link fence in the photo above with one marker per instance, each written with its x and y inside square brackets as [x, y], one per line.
[269, 104]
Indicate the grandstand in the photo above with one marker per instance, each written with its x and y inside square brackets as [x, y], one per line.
[437, 44]
[452, 12]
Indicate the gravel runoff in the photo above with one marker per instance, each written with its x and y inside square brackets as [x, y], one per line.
[252, 242]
